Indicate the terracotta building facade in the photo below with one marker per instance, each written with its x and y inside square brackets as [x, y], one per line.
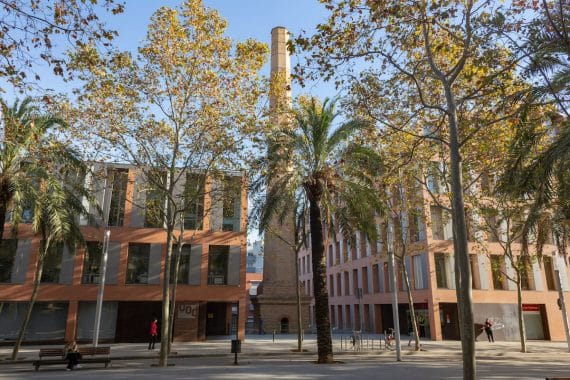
[211, 297]
[360, 295]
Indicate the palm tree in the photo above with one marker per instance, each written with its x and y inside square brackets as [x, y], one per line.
[336, 176]
[543, 177]
[548, 47]
[57, 206]
[24, 149]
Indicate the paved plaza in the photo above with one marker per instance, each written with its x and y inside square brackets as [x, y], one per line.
[264, 359]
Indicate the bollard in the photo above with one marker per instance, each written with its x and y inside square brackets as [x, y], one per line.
[273, 336]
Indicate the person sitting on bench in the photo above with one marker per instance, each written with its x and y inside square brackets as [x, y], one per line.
[72, 355]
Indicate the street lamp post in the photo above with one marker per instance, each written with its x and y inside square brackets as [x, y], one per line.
[392, 274]
[101, 288]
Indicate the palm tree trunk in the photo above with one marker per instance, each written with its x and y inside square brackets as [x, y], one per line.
[4, 200]
[522, 332]
[298, 294]
[324, 341]
[412, 310]
[34, 296]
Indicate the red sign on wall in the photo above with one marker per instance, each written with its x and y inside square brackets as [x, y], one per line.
[530, 307]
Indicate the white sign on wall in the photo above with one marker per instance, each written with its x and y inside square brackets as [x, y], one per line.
[187, 311]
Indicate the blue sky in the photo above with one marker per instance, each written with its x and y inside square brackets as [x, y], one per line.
[246, 19]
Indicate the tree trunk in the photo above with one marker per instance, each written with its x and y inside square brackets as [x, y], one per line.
[5, 195]
[35, 291]
[173, 301]
[298, 294]
[324, 341]
[164, 328]
[522, 332]
[412, 310]
[460, 243]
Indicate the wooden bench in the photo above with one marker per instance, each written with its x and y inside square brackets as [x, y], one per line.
[88, 355]
[95, 355]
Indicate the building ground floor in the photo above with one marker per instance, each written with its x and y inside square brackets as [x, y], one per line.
[439, 321]
[121, 321]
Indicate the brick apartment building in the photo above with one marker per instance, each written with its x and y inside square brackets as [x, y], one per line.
[357, 263]
[211, 298]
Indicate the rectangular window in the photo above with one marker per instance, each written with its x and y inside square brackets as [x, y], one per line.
[434, 178]
[437, 222]
[303, 265]
[52, 262]
[379, 240]
[8, 249]
[549, 272]
[330, 261]
[353, 248]
[194, 200]
[414, 225]
[184, 264]
[331, 285]
[475, 280]
[365, 280]
[375, 278]
[387, 284]
[493, 228]
[419, 278]
[355, 281]
[527, 278]
[138, 263]
[231, 204]
[218, 260]
[497, 262]
[338, 285]
[92, 263]
[337, 253]
[154, 207]
[440, 270]
[345, 248]
[346, 284]
[118, 179]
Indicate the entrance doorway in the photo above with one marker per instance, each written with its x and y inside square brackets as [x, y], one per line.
[449, 321]
[532, 316]
[285, 326]
[133, 320]
[217, 322]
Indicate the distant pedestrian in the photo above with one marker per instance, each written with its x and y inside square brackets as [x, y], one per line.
[153, 333]
[410, 333]
[72, 356]
[489, 330]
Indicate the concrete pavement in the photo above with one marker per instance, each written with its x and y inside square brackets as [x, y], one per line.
[262, 358]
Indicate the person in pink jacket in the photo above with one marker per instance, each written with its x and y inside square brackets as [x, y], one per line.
[153, 333]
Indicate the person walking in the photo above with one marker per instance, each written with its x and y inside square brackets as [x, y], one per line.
[153, 333]
[489, 330]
